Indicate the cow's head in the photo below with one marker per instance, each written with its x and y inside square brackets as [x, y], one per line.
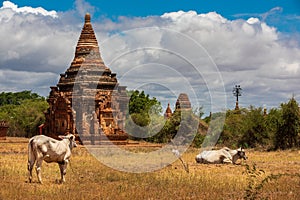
[241, 153]
[71, 138]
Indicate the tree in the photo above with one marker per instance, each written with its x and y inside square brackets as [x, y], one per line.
[287, 134]
[10, 98]
[141, 103]
[145, 119]
[23, 111]
[232, 132]
[254, 128]
[182, 124]
[273, 119]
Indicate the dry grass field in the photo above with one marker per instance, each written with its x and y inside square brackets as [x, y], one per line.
[87, 178]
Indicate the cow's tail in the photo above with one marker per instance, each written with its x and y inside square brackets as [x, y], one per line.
[31, 155]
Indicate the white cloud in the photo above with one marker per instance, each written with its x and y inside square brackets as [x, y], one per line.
[253, 20]
[13, 81]
[27, 9]
[176, 52]
[246, 52]
[83, 7]
[34, 42]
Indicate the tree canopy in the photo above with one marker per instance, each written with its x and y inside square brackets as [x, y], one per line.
[10, 98]
[248, 127]
[287, 134]
[24, 111]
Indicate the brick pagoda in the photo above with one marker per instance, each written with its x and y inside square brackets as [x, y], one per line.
[87, 101]
[168, 112]
[183, 102]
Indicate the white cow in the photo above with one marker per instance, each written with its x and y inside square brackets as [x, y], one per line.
[41, 148]
[224, 155]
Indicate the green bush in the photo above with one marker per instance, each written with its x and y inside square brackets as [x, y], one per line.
[24, 112]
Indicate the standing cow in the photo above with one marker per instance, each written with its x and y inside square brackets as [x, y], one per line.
[41, 148]
[224, 155]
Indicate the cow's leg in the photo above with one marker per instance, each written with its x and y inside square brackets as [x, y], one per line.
[63, 170]
[227, 161]
[31, 159]
[38, 169]
[30, 165]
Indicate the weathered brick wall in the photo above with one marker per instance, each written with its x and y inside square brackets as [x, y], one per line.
[3, 130]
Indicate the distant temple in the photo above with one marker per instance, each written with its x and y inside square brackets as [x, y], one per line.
[168, 112]
[87, 101]
[182, 103]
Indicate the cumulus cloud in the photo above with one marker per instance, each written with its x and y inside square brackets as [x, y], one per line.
[83, 7]
[11, 80]
[27, 9]
[203, 55]
[35, 44]
[246, 52]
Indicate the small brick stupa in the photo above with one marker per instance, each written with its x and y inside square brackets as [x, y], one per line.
[87, 101]
[183, 102]
[168, 112]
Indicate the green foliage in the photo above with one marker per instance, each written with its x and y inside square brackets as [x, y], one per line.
[257, 179]
[168, 131]
[141, 103]
[232, 132]
[287, 134]
[141, 106]
[254, 179]
[144, 131]
[251, 128]
[181, 124]
[9, 98]
[254, 128]
[24, 115]
[273, 119]
[145, 119]
[198, 140]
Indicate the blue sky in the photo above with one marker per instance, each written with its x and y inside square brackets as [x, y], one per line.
[231, 9]
[255, 44]
[227, 8]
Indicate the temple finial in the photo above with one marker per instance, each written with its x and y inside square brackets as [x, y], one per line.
[87, 18]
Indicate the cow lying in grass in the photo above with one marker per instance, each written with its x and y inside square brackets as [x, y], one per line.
[41, 148]
[224, 155]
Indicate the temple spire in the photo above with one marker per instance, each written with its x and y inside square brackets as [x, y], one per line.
[87, 49]
[168, 112]
[87, 41]
[87, 57]
[87, 18]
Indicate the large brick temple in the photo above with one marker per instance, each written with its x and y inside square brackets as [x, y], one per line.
[87, 101]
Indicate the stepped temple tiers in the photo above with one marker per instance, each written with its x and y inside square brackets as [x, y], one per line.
[183, 102]
[87, 101]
